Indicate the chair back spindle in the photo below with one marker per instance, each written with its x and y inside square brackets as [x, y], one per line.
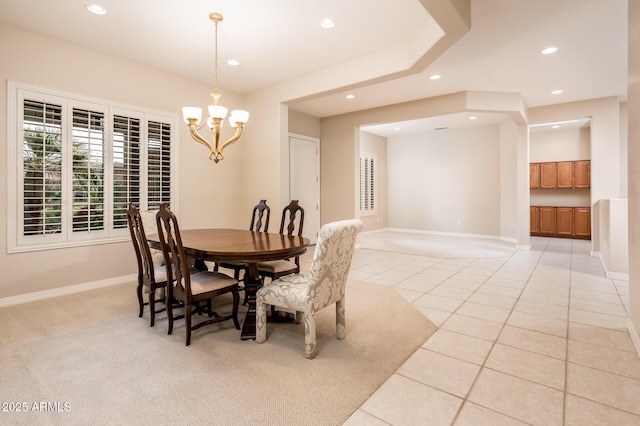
[260, 217]
[292, 214]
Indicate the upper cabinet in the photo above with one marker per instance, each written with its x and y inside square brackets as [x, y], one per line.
[548, 175]
[534, 175]
[582, 174]
[561, 174]
[565, 174]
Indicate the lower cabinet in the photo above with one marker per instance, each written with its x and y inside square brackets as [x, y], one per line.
[582, 222]
[564, 221]
[567, 222]
[547, 220]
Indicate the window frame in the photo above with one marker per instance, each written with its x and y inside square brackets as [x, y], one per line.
[17, 241]
[368, 197]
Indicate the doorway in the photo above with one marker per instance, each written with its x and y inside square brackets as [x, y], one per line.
[304, 181]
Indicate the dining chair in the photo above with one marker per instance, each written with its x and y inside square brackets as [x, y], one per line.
[191, 288]
[259, 223]
[152, 273]
[325, 284]
[293, 219]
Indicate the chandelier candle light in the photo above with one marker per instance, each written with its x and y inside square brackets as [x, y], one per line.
[217, 113]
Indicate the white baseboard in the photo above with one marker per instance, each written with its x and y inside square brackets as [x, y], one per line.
[634, 336]
[63, 291]
[445, 234]
[622, 276]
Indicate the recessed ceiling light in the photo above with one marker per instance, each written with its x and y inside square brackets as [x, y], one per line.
[549, 50]
[556, 126]
[556, 92]
[96, 8]
[327, 23]
[396, 128]
[350, 96]
[435, 77]
[473, 118]
[233, 62]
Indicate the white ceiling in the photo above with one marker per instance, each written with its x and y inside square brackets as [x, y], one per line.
[279, 40]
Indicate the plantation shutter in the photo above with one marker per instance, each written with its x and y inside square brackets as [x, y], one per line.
[126, 167]
[368, 198]
[88, 170]
[42, 168]
[159, 164]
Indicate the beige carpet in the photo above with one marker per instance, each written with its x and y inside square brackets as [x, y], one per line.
[95, 362]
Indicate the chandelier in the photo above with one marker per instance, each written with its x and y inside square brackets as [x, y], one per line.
[217, 113]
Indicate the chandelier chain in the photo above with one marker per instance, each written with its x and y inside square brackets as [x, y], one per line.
[215, 88]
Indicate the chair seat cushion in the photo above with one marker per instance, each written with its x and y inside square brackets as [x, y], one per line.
[290, 292]
[277, 266]
[160, 274]
[206, 281]
[157, 257]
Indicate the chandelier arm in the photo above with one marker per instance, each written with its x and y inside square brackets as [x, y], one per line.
[196, 136]
[234, 138]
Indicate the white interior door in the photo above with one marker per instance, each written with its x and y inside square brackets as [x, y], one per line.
[304, 181]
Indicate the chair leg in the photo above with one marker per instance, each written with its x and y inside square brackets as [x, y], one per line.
[152, 307]
[261, 322]
[309, 335]
[340, 318]
[236, 302]
[187, 317]
[168, 303]
[140, 299]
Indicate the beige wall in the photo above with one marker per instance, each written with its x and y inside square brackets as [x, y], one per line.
[508, 184]
[207, 191]
[446, 181]
[304, 124]
[634, 169]
[560, 145]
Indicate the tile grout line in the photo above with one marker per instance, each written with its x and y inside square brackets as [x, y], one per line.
[493, 344]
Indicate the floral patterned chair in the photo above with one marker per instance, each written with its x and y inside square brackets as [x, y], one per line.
[323, 286]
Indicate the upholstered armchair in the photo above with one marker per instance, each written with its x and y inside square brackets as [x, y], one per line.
[323, 286]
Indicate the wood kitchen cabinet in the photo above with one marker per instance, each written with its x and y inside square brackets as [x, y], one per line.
[564, 221]
[548, 221]
[534, 175]
[565, 171]
[582, 222]
[567, 222]
[582, 174]
[534, 220]
[560, 175]
[548, 175]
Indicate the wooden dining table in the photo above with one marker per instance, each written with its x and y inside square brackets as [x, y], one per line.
[239, 246]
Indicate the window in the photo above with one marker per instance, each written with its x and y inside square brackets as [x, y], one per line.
[78, 164]
[368, 197]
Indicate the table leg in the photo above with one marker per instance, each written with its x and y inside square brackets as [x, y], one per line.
[252, 283]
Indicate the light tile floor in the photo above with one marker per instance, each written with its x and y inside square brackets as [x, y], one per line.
[524, 337]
